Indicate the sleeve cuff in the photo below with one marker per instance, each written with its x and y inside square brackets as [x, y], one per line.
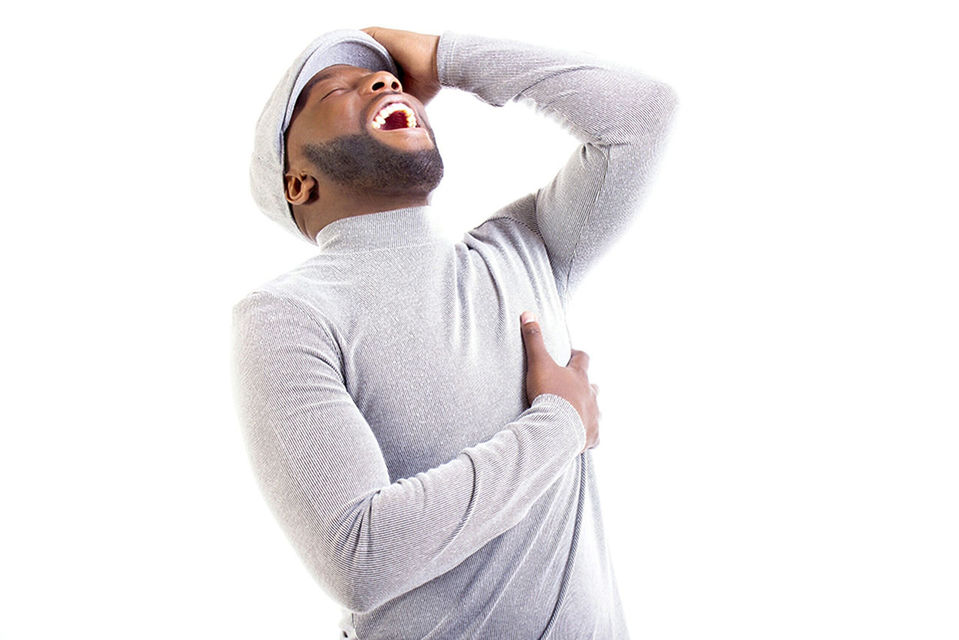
[570, 423]
[444, 57]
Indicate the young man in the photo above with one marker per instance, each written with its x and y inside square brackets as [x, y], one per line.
[424, 451]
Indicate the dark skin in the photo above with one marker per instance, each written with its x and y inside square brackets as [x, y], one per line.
[344, 104]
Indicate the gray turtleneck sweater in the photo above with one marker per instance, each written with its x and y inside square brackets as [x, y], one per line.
[381, 383]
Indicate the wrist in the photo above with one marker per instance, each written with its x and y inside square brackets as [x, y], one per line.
[435, 66]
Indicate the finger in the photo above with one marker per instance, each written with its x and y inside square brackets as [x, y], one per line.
[595, 388]
[533, 339]
[579, 360]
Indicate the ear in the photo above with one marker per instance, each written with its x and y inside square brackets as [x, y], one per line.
[299, 188]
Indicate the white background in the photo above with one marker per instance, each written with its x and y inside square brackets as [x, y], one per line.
[775, 339]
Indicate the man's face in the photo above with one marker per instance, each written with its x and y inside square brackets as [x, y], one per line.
[336, 129]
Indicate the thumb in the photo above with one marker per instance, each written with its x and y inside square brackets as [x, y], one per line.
[533, 339]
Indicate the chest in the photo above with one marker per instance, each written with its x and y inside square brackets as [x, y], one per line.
[443, 367]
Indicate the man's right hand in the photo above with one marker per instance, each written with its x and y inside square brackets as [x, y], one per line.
[544, 375]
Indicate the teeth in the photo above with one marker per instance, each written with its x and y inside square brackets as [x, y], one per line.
[389, 109]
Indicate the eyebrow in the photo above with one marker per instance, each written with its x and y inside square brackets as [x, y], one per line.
[323, 76]
[307, 89]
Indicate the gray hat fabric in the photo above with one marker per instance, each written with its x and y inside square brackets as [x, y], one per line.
[343, 46]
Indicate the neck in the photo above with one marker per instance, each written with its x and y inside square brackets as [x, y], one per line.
[337, 205]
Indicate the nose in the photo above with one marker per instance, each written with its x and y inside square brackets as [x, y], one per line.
[381, 79]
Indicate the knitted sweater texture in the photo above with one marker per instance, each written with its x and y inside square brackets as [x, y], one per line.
[381, 383]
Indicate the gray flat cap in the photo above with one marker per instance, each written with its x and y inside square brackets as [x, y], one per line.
[343, 46]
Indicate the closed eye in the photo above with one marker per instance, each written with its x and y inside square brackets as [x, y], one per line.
[331, 91]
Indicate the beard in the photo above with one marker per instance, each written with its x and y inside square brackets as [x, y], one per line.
[363, 164]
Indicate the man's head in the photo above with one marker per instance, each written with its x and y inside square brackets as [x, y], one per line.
[356, 138]
[319, 150]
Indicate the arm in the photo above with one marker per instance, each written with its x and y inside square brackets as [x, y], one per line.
[620, 115]
[365, 539]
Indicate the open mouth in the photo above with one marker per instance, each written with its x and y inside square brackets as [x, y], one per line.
[395, 115]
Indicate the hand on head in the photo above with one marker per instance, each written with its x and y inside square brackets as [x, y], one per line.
[415, 55]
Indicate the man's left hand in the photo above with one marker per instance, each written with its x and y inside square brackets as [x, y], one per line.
[415, 54]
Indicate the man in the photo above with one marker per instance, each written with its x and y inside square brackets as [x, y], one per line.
[425, 453]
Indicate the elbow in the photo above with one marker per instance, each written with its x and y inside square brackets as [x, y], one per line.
[349, 588]
[641, 116]
[363, 595]
[666, 102]
[359, 580]
[651, 121]
[343, 558]
[666, 95]
[659, 110]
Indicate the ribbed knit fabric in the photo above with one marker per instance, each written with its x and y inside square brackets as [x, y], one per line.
[381, 383]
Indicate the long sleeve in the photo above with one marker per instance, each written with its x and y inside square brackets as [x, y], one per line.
[366, 539]
[621, 116]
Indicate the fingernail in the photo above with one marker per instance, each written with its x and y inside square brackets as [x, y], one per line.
[527, 316]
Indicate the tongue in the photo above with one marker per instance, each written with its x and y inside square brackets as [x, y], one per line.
[396, 120]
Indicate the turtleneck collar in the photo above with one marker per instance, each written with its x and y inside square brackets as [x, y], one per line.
[379, 230]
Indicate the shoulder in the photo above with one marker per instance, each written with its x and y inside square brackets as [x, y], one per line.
[512, 227]
[278, 310]
[299, 290]
[269, 326]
